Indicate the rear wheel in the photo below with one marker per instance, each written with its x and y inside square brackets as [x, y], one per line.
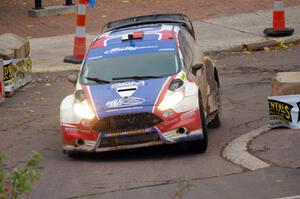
[199, 146]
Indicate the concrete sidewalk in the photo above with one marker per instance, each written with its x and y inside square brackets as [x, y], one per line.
[233, 31]
[218, 34]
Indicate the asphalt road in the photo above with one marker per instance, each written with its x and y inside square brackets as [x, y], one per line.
[30, 121]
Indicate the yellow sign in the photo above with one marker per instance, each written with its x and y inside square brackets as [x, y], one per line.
[8, 72]
[280, 109]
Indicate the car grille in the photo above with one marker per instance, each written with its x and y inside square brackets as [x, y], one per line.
[128, 140]
[121, 123]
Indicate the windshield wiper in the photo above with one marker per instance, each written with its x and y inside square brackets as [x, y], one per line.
[99, 81]
[136, 77]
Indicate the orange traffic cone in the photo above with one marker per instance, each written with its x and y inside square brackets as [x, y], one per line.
[279, 29]
[79, 48]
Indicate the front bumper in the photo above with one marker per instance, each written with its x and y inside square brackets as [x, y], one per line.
[117, 137]
[166, 138]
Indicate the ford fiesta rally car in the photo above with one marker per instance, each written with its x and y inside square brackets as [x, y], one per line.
[143, 82]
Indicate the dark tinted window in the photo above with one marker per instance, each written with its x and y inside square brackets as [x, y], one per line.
[146, 64]
[186, 42]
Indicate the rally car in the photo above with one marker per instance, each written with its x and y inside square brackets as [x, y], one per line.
[143, 82]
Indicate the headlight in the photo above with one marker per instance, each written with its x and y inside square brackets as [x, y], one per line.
[83, 110]
[171, 100]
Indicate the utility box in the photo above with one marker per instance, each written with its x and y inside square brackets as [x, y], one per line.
[2, 90]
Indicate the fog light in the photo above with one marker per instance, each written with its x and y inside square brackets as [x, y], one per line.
[85, 123]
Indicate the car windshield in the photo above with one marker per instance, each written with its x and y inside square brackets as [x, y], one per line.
[147, 65]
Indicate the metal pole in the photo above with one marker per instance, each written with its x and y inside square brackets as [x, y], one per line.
[69, 3]
[38, 4]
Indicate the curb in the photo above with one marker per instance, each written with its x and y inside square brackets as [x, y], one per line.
[55, 69]
[52, 11]
[258, 45]
[236, 151]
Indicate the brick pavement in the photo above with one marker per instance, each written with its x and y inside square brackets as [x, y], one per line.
[13, 13]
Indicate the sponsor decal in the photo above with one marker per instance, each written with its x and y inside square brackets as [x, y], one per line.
[124, 109]
[126, 101]
[16, 73]
[127, 84]
[188, 115]
[127, 133]
[8, 72]
[284, 111]
[182, 76]
[281, 109]
[171, 121]
[71, 129]
[129, 48]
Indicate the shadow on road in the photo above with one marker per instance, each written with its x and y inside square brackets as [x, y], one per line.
[140, 154]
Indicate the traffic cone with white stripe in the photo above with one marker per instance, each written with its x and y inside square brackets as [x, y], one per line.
[79, 48]
[279, 29]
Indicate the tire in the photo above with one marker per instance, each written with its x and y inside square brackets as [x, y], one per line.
[199, 146]
[216, 122]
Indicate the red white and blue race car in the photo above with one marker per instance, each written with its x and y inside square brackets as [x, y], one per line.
[143, 82]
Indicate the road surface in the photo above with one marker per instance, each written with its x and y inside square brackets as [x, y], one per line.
[30, 121]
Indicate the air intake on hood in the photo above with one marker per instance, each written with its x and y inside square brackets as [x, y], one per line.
[126, 92]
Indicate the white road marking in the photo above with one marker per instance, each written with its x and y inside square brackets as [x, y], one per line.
[236, 150]
[290, 197]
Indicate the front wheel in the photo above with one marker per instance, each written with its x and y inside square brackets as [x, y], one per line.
[199, 146]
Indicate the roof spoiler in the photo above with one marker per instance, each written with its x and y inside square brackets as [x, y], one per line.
[181, 19]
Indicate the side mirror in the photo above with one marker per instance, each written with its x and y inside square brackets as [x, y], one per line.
[73, 79]
[196, 67]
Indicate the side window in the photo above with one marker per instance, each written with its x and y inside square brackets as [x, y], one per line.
[186, 43]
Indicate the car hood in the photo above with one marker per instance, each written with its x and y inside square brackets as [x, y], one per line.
[125, 97]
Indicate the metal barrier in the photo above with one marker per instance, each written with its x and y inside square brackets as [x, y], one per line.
[38, 4]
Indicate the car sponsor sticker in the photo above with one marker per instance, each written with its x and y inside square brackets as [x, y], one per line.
[284, 111]
[182, 76]
[127, 133]
[128, 84]
[124, 109]
[128, 48]
[124, 102]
